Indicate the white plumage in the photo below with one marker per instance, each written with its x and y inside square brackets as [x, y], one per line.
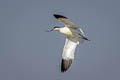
[69, 48]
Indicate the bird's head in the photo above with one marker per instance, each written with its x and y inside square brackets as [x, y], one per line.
[56, 28]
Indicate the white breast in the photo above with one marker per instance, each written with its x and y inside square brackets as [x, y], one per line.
[67, 32]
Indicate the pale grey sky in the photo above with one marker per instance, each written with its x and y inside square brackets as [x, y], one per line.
[27, 52]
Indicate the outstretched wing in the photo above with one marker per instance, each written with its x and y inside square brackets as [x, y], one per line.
[68, 53]
[64, 20]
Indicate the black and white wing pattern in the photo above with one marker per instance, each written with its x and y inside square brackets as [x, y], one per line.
[68, 53]
[64, 20]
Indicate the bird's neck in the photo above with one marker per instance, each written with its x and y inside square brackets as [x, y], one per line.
[66, 31]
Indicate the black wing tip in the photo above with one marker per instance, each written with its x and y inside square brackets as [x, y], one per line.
[59, 16]
[86, 39]
[65, 65]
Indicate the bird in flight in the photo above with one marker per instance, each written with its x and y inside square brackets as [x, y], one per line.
[74, 36]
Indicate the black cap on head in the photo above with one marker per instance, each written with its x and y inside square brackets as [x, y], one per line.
[59, 16]
[56, 27]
